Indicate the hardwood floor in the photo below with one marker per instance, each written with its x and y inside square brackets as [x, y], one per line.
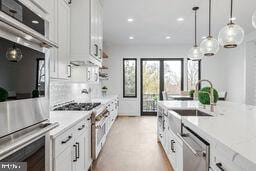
[132, 146]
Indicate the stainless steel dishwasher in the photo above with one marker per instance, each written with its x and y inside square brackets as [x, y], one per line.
[196, 151]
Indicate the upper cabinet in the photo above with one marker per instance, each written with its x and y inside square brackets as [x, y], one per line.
[63, 34]
[86, 32]
[60, 29]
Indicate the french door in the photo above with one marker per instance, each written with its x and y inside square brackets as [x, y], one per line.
[157, 75]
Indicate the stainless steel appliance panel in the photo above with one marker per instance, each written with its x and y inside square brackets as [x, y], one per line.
[16, 115]
[195, 151]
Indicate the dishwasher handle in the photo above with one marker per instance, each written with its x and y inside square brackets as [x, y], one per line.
[187, 144]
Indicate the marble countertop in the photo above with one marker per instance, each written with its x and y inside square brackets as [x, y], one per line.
[232, 124]
[105, 99]
[66, 120]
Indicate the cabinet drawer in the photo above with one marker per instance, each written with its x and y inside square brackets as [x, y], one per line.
[222, 158]
[80, 128]
[63, 141]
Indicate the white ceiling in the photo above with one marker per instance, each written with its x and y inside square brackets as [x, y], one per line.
[155, 19]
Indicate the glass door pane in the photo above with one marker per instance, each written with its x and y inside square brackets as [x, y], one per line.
[150, 86]
[173, 77]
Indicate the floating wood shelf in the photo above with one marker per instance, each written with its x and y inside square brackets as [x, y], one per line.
[103, 67]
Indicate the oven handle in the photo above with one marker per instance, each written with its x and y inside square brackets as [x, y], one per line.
[187, 144]
[27, 140]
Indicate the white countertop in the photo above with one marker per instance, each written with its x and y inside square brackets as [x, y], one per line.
[233, 125]
[105, 99]
[66, 120]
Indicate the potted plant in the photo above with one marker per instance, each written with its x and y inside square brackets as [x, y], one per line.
[104, 90]
[191, 93]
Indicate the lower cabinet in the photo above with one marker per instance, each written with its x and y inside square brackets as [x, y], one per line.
[173, 148]
[64, 161]
[72, 149]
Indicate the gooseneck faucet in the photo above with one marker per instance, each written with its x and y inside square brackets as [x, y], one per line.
[211, 93]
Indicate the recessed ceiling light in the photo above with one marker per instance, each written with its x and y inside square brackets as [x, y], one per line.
[167, 37]
[131, 37]
[180, 19]
[130, 20]
[35, 22]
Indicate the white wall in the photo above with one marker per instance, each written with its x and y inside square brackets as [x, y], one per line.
[225, 70]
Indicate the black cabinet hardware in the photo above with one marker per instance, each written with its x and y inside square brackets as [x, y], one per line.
[67, 140]
[82, 127]
[219, 165]
[70, 2]
[172, 146]
[78, 150]
[96, 49]
[75, 160]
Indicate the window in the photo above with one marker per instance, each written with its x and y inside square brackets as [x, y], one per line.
[194, 73]
[173, 76]
[129, 77]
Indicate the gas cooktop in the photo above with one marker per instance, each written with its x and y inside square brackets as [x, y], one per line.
[78, 107]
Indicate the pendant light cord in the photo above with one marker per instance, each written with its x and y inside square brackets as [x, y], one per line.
[195, 28]
[231, 12]
[210, 17]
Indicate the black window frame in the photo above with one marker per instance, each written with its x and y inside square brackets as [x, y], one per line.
[199, 71]
[136, 70]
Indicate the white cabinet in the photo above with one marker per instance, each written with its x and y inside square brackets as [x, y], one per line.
[63, 20]
[86, 32]
[174, 150]
[44, 5]
[96, 42]
[60, 32]
[112, 107]
[72, 149]
[85, 74]
[64, 161]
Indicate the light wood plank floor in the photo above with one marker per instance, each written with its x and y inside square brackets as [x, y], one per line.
[132, 146]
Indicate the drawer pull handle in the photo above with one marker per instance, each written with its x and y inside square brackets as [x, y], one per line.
[67, 140]
[79, 129]
[219, 165]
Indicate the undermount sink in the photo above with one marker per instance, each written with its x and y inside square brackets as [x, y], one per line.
[191, 113]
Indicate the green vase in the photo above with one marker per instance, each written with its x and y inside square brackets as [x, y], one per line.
[3, 94]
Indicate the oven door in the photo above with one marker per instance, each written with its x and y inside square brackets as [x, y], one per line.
[33, 156]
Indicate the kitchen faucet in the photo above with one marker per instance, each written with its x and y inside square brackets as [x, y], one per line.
[211, 93]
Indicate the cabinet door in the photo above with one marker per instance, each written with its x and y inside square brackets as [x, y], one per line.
[63, 38]
[80, 145]
[94, 20]
[87, 149]
[100, 30]
[64, 161]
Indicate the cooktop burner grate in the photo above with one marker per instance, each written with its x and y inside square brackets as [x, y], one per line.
[77, 107]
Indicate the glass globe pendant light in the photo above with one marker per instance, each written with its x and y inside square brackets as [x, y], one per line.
[195, 52]
[209, 46]
[254, 19]
[231, 35]
[14, 54]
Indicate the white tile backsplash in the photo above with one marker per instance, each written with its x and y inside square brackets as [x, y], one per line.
[64, 91]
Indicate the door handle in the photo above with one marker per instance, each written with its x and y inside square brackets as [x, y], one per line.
[96, 49]
[75, 160]
[78, 150]
[172, 146]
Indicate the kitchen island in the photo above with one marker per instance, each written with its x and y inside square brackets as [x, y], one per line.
[230, 130]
